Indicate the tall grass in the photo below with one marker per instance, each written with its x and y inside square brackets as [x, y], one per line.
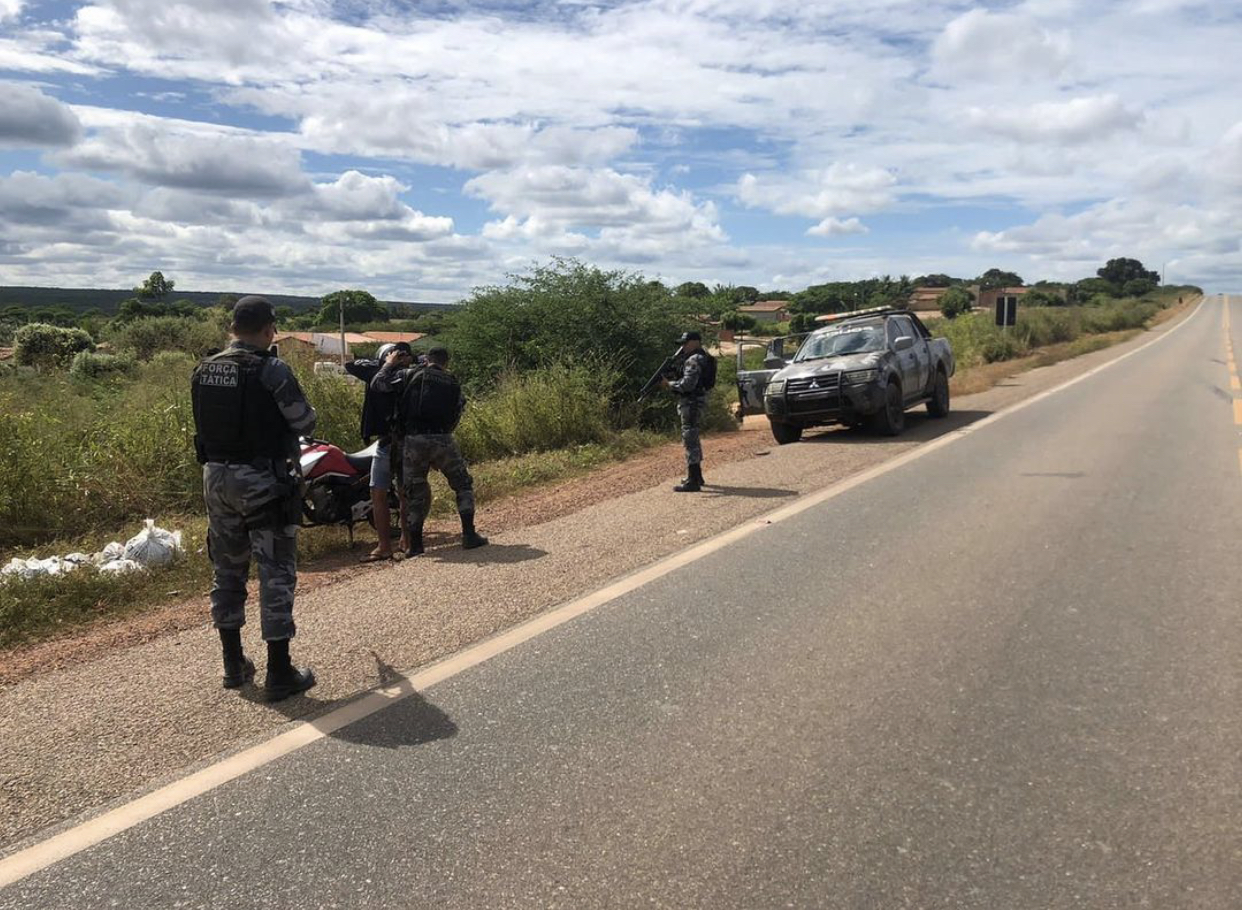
[976, 339]
[80, 454]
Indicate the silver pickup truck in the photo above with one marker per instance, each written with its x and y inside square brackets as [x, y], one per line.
[862, 368]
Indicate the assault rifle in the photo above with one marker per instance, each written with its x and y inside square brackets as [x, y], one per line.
[668, 370]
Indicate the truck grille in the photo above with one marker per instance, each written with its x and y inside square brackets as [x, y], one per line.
[814, 385]
[813, 394]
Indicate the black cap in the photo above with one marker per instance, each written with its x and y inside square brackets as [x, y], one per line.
[689, 336]
[403, 347]
[252, 313]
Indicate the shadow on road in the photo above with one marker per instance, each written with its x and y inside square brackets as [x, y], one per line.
[499, 553]
[919, 428]
[411, 721]
[712, 490]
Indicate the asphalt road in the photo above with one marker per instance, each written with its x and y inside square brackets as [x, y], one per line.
[1003, 675]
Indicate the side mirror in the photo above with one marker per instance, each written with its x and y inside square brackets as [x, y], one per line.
[775, 357]
[903, 343]
[773, 363]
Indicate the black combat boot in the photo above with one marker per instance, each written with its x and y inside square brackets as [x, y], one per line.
[283, 678]
[470, 538]
[693, 483]
[238, 668]
[416, 540]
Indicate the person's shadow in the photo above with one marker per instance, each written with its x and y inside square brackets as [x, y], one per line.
[498, 553]
[716, 490]
[410, 719]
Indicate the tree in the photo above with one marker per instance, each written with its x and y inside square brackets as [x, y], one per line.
[692, 289]
[1119, 271]
[956, 301]
[1138, 287]
[566, 310]
[738, 322]
[937, 280]
[997, 278]
[156, 287]
[1089, 288]
[359, 306]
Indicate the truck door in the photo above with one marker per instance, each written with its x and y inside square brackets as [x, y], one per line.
[915, 361]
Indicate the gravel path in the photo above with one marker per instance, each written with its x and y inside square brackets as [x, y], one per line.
[78, 737]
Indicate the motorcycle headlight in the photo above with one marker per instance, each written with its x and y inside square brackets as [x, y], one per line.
[855, 377]
[775, 387]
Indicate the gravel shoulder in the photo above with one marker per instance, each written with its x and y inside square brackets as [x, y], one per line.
[143, 705]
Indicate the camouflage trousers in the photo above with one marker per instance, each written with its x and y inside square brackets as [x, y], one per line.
[422, 453]
[690, 409]
[248, 516]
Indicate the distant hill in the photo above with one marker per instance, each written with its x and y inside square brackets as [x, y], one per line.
[107, 300]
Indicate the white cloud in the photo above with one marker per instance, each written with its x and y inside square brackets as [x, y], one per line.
[28, 118]
[37, 200]
[236, 165]
[835, 227]
[999, 46]
[835, 190]
[10, 9]
[1075, 121]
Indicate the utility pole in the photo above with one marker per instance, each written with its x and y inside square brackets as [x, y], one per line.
[342, 312]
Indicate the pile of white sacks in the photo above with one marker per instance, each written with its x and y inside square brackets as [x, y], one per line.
[151, 546]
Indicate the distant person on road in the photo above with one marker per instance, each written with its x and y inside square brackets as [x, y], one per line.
[377, 415]
[430, 406]
[698, 376]
[248, 414]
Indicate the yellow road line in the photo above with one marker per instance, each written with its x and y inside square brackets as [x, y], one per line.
[1237, 411]
[1235, 384]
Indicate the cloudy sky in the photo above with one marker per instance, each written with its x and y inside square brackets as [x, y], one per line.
[419, 149]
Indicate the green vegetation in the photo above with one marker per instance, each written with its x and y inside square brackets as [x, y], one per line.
[976, 339]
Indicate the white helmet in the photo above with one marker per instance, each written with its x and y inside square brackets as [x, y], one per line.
[384, 350]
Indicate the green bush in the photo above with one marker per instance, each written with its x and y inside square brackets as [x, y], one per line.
[42, 345]
[145, 337]
[562, 311]
[562, 405]
[87, 365]
[955, 302]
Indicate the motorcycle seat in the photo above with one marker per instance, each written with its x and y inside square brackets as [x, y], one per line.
[361, 461]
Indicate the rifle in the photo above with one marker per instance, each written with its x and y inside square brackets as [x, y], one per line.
[667, 370]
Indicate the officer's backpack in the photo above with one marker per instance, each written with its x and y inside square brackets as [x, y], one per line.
[430, 402]
[707, 371]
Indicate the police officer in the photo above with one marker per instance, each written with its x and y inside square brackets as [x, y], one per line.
[691, 403]
[429, 408]
[248, 414]
[377, 413]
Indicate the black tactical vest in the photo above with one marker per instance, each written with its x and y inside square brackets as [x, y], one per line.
[430, 403]
[235, 417]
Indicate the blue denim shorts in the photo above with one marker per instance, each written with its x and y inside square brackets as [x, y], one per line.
[381, 468]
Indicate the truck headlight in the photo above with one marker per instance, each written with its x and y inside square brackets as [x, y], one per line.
[775, 387]
[854, 377]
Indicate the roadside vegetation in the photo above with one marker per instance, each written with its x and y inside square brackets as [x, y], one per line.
[96, 428]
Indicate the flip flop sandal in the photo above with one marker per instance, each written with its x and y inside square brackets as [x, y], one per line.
[376, 557]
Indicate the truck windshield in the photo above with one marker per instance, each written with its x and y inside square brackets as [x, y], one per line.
[858, 339]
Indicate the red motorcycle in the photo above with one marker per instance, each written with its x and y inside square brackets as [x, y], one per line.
[337, 485]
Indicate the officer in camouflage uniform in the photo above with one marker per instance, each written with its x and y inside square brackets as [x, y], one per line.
[430, 406]
[248, 414]
[691, 403]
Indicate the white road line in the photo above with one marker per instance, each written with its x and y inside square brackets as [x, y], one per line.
[302, 733]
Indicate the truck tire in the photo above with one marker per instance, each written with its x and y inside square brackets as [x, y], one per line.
[938, 404]
[890, 420]
[785, 433]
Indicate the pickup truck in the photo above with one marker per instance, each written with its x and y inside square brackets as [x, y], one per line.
[866, 367]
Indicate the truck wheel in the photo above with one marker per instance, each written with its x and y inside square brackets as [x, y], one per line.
[938, 404]
[785, 433]
[890, 420]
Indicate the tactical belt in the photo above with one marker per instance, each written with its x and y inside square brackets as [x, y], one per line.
[426, 429]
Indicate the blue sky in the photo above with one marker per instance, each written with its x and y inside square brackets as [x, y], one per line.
[421, 149]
